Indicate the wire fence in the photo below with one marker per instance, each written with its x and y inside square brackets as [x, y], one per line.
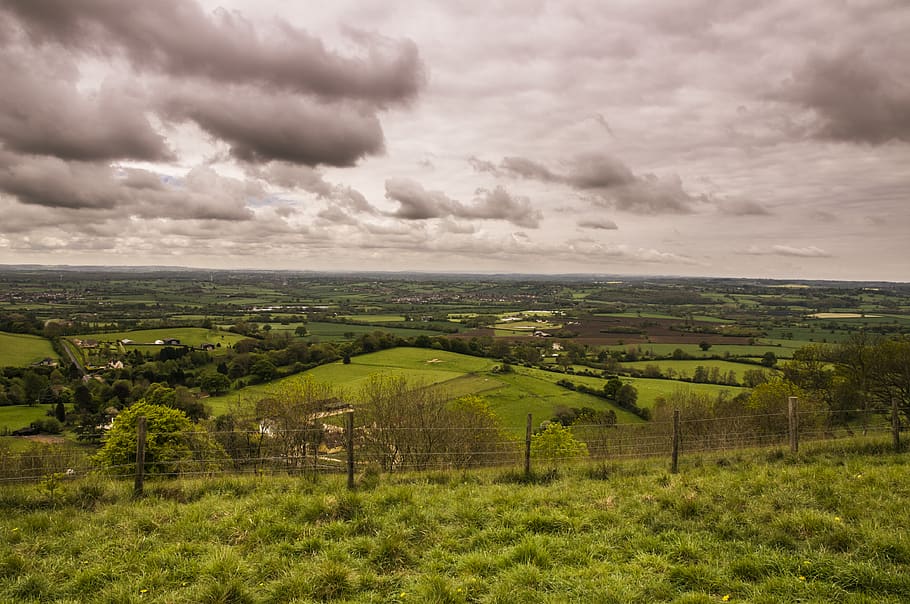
[328, 449]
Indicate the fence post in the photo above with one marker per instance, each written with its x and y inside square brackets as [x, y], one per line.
[140, 456]
[794, 424]
[528, 448]
[895, 425]
[349, 445]
[674, 463]
[315, 453]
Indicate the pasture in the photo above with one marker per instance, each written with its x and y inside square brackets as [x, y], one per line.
[780, 348]
[13, 417]
[334, 332]
[190, 336]
[418, 365]
[686, 368]
[830, 526]
[510, 395]
[21, 350]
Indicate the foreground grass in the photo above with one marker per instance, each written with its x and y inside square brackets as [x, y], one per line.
[830, 526]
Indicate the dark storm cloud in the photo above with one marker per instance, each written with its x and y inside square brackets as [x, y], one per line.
[42, 112]
[177, 37]
[261, 127]
[416, 203]
[53, 183]
[856, 98]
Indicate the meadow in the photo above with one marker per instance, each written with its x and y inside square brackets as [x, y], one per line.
[418, 365]
[321, 330]
[688, 367]
[20, 350]
[190, 336]
[752, 526]
[510, 395]
[13, 417]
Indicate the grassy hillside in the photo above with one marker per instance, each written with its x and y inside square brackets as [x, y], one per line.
[512, 396]
[13, 417]
[828, 527]
[20, 350]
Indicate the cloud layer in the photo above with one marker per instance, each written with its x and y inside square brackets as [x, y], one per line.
[736, 138]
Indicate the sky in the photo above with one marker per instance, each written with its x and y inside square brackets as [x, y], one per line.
[744, 138]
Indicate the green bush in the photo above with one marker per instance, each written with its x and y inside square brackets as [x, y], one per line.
[173, 443]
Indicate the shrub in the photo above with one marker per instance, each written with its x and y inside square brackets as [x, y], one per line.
[173, 442]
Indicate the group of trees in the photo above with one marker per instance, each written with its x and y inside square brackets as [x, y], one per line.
[842, 385]
[858, 376]
[400, 425]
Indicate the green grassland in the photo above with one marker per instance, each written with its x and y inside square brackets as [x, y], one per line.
[781, 349]
[511, 395]
[649, 390]
[13, 417]
[374, 318]
[417, 365]
[534, 391]
[191, 336]
[830, 526]
[19, 350]
[318, 330]
[689, 366]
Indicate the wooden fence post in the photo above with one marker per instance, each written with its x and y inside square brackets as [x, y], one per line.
[674, 463]
[140, 456]
[895, 425]
[528, 448]
[794, 424]
[349, 445]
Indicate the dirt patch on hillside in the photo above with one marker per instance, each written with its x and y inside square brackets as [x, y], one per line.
[48, 439]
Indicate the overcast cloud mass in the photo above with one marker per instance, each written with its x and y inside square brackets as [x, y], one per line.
[738, 138]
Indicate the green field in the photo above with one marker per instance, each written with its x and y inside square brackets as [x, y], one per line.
[20, 350]
[418, 365]
[368, 318]
[13, 417]
[780, 348]
[317, 330]
[191, 336]
[512, 396]
[688, 367]
[648, 389]
[830, 526]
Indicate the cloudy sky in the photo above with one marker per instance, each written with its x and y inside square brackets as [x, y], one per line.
[737, 138]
